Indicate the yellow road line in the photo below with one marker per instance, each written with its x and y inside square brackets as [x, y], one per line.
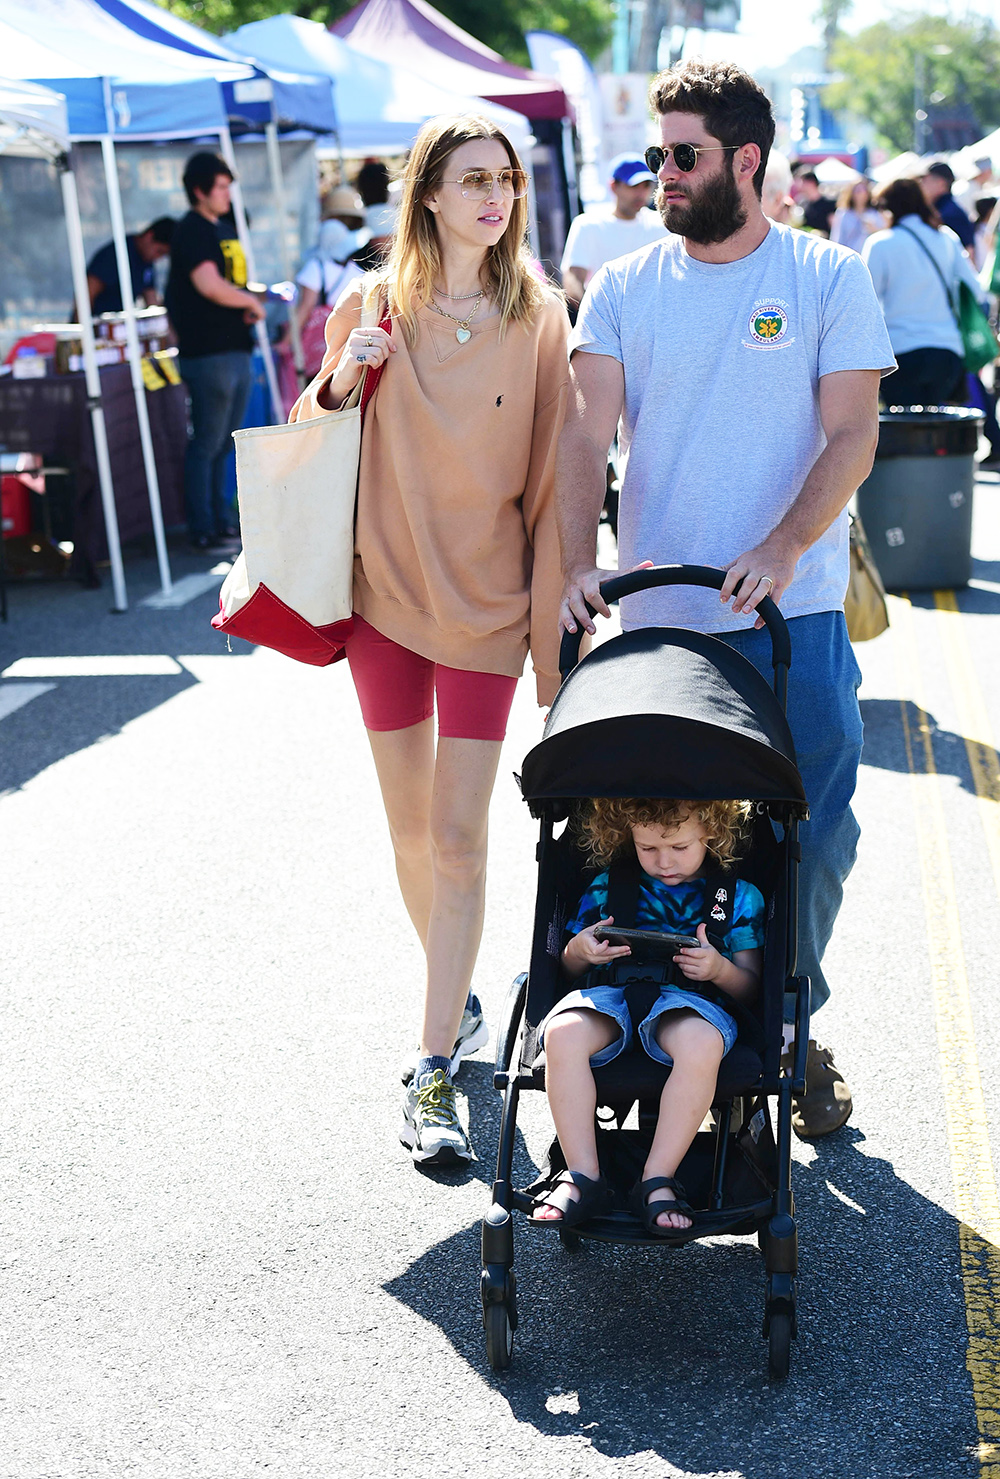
[976, 1202]
[974, 722]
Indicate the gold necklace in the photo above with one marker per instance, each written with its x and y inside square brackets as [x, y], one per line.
[463, 333]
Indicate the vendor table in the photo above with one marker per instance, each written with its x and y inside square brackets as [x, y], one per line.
[51, 417]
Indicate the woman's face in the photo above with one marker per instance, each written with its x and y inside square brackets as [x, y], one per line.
[860, 198]
[461, 218]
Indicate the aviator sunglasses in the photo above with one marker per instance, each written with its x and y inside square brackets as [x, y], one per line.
[685, 155]
[476, 184]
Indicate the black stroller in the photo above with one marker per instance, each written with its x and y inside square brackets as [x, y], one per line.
[665, 712]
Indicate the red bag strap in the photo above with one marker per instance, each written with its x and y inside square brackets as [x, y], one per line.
[372, 377]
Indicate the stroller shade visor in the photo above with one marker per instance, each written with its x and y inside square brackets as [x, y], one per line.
[664, 712]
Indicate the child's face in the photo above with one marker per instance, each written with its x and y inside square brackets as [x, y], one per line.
[674, 855]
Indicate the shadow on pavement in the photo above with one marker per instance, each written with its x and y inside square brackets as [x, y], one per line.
[885, 748]
[61, 620]
[643, 1350]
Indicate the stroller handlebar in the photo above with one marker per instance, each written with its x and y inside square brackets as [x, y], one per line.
[705, 575]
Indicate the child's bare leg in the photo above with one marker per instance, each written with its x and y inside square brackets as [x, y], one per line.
[697, 1049]
[571, 1039]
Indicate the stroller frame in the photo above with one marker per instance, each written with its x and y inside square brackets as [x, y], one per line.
[742, 1097]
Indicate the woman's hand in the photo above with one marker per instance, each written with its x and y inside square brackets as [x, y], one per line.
[584, 952]
[364, 348]
[703, 963]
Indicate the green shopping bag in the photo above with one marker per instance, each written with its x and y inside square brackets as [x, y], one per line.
[978, 339]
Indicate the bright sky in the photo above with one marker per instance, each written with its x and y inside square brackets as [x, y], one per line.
[772, 30]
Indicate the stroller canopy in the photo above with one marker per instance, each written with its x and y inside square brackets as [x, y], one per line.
[664, 712]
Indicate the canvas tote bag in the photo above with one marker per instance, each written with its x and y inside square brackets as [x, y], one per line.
[291, 586]
[864, 604]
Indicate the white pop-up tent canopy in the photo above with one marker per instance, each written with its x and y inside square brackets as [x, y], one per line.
[33, 121]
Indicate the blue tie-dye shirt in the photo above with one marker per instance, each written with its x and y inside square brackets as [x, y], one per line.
[677, 909]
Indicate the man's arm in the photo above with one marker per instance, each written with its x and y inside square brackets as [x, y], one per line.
[211, 284]
[848, 409]
[596, 394]
[94, 287]
[574, 281]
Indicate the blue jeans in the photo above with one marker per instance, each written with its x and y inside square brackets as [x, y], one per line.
[826, 726]
[219, 387]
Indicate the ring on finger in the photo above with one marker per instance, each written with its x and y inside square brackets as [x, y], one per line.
[369, 341]
[770, 583]
[362, 359]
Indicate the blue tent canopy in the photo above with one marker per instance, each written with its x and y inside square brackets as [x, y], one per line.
[272, 95]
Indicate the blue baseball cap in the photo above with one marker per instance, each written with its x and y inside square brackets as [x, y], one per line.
[631, 169]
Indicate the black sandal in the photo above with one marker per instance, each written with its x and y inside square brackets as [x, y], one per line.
[647, 1212]
[595, 1199]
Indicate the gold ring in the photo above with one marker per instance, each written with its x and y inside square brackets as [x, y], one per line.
[369, 341]
[770, 583]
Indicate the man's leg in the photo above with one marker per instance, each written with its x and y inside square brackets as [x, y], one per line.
[826, 726]
[210, 399]
[238, 379]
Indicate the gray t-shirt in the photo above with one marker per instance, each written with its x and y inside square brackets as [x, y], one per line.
[721, 419]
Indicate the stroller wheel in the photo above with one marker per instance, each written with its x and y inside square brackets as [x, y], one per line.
[499, 1336]
[569, 1239]
[779, 1346]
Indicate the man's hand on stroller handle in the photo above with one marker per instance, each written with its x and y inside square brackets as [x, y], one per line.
[584, 951]
[583, 586]
[766, 570]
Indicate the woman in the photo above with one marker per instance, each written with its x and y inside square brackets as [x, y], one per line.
[916, 267]
[457, 562]
[855, 218]
[323, 277]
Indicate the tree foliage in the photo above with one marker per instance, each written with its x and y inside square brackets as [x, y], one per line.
[879, 65]
[499, 23]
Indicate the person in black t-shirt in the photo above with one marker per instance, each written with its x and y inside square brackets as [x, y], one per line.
[817, 208]
[144, 248]
[213, 317]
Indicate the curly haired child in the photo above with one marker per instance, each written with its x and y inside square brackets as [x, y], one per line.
[591, 1025]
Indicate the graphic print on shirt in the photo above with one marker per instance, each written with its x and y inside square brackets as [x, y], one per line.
[235, 258]
[768, 325]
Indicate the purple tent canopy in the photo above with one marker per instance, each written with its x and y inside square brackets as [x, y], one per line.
[411, 33]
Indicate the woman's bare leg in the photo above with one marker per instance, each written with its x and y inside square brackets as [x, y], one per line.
[404, 763]
[697, 1049]
[464, 773]
[571, 1039]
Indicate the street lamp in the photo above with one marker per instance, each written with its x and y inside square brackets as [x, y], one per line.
[919, 91]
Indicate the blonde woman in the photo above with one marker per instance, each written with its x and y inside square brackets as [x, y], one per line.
[457, 563]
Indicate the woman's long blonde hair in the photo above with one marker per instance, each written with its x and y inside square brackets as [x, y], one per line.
[415, 258]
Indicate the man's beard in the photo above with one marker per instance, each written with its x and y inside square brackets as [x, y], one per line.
[712, 214]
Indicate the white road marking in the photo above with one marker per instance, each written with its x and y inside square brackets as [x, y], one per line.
[124, 665]
[15, 695]
[189, 586]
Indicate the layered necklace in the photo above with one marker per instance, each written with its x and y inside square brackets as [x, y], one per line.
[463, 333]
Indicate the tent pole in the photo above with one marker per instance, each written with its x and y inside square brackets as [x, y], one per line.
[135, 358]
[78, 264]
[243, 231]
[287, 266]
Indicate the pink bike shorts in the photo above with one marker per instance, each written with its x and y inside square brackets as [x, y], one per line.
[396, 689]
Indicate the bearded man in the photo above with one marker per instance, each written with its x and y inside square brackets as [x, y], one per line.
[743, 358]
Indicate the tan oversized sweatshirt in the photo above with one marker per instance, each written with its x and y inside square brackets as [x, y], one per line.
[457, 556]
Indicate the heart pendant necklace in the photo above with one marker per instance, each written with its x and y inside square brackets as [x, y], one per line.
[463, 333]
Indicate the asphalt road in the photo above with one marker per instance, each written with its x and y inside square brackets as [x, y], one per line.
[215, 1259]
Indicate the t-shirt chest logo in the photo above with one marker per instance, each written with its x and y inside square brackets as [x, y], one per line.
[768, 325]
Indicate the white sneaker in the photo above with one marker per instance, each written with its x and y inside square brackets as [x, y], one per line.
[431, 1129]
[473, 1033]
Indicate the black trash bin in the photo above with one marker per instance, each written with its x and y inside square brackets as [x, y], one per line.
[916, 505]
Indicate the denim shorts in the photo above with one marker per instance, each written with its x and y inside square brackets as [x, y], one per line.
[610, 1001]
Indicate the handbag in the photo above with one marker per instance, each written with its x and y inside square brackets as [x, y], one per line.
[979, 342]
[313, 333]
[864, 603]
[291, 587]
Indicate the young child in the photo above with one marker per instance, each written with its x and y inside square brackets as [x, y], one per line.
[591, 1025]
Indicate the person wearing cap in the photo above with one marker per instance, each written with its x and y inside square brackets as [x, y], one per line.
[936, 185]
[611, 231]
[969, 192]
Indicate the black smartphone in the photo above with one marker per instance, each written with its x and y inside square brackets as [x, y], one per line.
[648, 944]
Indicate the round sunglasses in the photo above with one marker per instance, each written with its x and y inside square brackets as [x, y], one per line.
[685, 155]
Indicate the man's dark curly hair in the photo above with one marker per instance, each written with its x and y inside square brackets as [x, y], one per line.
[734, 108]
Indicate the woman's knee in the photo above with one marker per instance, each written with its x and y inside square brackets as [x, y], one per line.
[458, 852]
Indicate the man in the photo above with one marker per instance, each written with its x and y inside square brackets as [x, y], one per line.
[144, 248]
[968, 192]
[936, 185]
[744, 358]
[817, 208]
[599, 236]
[212, 314]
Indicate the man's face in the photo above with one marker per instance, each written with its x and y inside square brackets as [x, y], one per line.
[703, 204]
[809, 189]
[933, 187]
[151, 250]
[630, 199]
[218, 199]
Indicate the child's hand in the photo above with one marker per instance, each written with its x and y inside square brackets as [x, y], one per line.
[703, 963]
[584, 951]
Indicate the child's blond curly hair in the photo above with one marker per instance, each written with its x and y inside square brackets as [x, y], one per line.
[607, 824]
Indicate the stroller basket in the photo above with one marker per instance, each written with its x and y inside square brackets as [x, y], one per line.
[661, 712]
